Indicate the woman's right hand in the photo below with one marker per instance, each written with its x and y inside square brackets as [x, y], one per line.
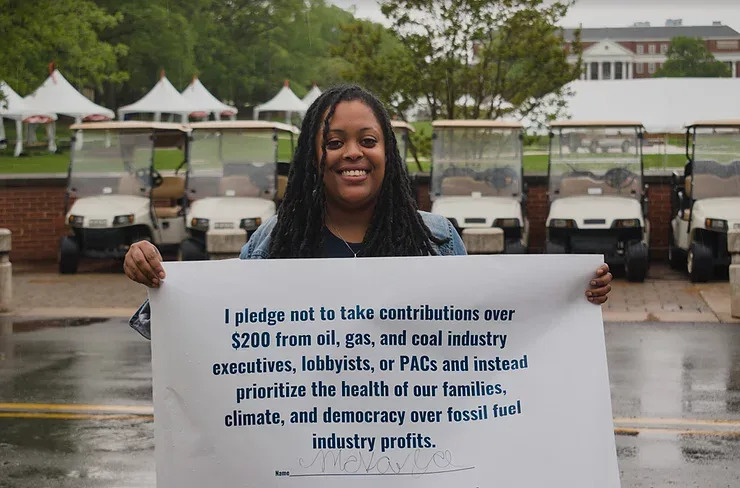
[143, 264]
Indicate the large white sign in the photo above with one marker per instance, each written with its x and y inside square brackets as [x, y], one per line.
[469, 371]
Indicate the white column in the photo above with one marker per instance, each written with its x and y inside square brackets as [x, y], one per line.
[588, 71]
[18, 138]
[611, 75]
[601, 71]
[734, 68]
[627, 73]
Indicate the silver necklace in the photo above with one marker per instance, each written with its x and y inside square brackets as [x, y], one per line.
[354, 254]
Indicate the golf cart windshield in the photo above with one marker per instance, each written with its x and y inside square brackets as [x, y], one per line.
[716, 162]
[595, 160]
[111, 162]
[477, 160]
[233, 162]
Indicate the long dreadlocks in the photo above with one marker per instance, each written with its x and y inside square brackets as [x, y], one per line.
[396, 228]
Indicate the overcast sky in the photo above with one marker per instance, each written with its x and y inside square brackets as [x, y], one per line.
[611, 13]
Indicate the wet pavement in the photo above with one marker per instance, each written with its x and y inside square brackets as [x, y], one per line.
[75, 404]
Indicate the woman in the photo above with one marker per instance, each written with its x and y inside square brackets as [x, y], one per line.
[348, 195]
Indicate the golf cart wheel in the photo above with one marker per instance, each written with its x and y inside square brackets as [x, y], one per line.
[636, 262]
[699, 263]
[69, 255]
[515, 247]
[554, 248]
[675, 255]
[192, 250]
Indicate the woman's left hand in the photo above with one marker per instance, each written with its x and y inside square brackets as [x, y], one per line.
[600, 287]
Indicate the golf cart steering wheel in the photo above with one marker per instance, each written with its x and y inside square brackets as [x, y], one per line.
[142, 174]
[619, 178]
[503, 177]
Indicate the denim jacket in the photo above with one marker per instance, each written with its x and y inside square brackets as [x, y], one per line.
[259, 244]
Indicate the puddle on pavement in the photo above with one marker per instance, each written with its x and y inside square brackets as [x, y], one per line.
[17, 327]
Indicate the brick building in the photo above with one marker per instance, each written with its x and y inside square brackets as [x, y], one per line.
[617, 53]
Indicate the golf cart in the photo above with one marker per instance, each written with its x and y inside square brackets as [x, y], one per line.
[706, 199]
[401, 130]
[232, 184]
[597, 199]
[477, 179]
[114, 188]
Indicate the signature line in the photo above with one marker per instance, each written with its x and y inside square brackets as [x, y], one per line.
[381, 474]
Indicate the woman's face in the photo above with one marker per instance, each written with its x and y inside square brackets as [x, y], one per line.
[355, 156]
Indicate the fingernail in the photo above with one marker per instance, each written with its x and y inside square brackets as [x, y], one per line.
[593, 283]
[161, 274]
[590, 299]
[155, 281]
[588, 294]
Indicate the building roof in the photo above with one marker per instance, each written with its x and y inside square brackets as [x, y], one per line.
[589, 34]
[477, 123]
[244, 125]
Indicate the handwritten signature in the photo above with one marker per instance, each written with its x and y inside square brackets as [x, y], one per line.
[356, 462]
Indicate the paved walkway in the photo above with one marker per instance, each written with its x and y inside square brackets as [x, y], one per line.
[103, 291]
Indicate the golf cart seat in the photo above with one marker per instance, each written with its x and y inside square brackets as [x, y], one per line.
[721, 187]
[239, 186]
[282, 184]
[172, 190]
[465, 186]
[129, 184]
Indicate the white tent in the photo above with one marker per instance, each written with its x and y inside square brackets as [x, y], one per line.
[13, 107]
[205, 102]
[57, 95]
[162, 98]
[663, 105]
[285, 101]
[312, 95]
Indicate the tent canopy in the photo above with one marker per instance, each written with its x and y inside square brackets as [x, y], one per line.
[162, 98]
[284, 101]
[13, 107]
[57, 95]
[312, 95]
[663, 105]
[204, 101]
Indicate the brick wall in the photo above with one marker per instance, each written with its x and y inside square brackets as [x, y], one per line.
[33, 210]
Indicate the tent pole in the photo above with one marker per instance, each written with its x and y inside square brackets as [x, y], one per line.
[3, 142]
[51, 135]
[78, 138]
[18, 138]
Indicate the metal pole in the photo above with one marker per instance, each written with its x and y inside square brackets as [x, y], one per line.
[6, 271]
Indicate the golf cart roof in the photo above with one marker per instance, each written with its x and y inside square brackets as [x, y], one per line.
[400, 124]
[244, 124]
[715, 123]
[493, 124]
[131, 125]
[595, 123]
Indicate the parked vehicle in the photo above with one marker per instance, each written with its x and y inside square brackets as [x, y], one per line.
[232, 184]
[112, 186]
[401, 130]
[477, 178]
[706, 199]
[597, 198]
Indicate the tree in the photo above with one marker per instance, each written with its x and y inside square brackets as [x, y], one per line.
[504, 54]
[64, 31]
[689, 57]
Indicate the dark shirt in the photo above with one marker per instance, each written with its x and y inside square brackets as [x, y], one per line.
[335, 247]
